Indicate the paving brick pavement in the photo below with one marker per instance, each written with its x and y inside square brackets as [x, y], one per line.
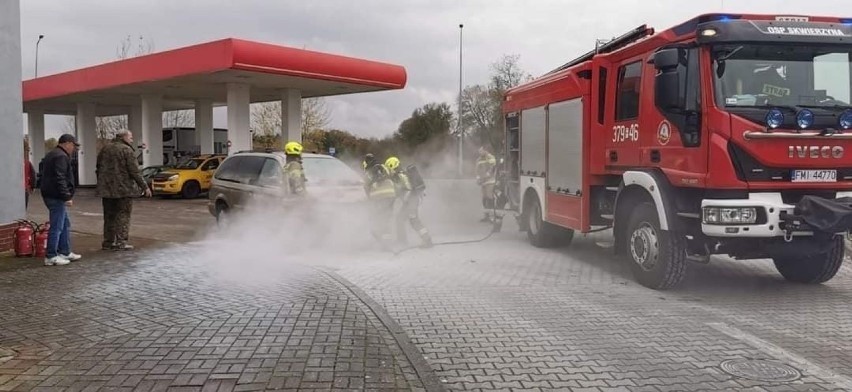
[496, 315]
[505, 315]
[167, 320]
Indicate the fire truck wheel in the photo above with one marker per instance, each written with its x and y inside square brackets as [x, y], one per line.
[657, 258]
[848, 243]
[817, 268]
[541, 233]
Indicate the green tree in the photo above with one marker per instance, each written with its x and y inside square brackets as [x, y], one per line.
[428, 123]
[481, 104]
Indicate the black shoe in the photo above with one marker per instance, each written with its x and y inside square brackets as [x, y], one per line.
[107, 246]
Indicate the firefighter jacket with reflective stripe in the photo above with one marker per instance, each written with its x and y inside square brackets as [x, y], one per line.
[379, 184]
[295, 174]
[485, 169]
[401, 183]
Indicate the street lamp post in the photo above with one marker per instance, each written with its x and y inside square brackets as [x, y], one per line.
[40, 37]
[460, 129]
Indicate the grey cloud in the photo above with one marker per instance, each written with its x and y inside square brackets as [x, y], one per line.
[421, 35]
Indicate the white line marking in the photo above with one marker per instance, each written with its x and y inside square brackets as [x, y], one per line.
[781, 354]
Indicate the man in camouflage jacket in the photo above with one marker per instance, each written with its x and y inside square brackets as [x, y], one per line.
[119, 181]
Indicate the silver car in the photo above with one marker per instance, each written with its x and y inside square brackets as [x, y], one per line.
[257, 178]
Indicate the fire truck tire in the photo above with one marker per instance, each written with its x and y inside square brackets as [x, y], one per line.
[657, 258]
[848, 243]
[541, 233]
[817, 268]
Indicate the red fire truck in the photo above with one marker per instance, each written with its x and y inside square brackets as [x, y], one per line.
[723, 135]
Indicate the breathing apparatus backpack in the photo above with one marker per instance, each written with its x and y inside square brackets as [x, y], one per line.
[414, 177]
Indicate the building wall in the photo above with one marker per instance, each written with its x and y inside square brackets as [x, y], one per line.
[11, 119]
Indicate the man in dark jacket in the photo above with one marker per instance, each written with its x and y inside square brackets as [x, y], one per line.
[57, 190]
[119, 181]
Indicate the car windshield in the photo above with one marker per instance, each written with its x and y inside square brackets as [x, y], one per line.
[777, 75]
[327, 171]
[189, 164]
[150, 171]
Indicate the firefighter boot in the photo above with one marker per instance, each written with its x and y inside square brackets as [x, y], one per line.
[427, 240]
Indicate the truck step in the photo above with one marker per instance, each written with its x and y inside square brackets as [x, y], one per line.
[605, 244]
[608, 216]
[612, 188]
[701, 259]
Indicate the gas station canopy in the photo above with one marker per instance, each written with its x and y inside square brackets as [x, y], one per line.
[183, 76]
[229, 72]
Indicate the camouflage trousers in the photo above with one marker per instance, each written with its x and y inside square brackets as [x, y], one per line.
[117, 220]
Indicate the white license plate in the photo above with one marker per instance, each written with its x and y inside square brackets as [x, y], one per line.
[814, 176]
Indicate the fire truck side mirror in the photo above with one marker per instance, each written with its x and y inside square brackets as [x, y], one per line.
[667, 59]
[667, 86]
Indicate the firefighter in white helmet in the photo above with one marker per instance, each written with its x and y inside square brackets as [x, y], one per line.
[409, 195]
[486, 169]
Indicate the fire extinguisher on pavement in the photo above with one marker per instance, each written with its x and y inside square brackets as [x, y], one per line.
[40, 242]
[24, 246]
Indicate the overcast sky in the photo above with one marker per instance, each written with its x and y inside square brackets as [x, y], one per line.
[421, 35]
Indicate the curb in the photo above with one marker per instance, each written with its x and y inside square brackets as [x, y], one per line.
[427, 375]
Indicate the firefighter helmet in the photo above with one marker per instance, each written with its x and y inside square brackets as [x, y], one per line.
[369, 160]
[392, 163]
[293, 148]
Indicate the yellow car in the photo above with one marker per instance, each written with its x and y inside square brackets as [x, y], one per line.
[189, 178]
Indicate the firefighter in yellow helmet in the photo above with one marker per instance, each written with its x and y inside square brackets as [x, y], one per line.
[409, 195]
[293, 170]
[381, 194]
[486, 170]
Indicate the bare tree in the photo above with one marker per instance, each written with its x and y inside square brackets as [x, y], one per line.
[107, 126]
[480, 106]
[315, 114]
[178, 119]
[507, 73]
[480, 109]
[266, 117]
[127, 49]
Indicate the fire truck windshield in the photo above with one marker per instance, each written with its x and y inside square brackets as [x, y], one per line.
[779, 75]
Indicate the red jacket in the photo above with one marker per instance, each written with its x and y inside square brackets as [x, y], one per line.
[29, 176]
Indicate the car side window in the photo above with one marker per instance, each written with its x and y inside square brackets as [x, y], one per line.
[271, 174]
[229, 170]
[211, 164]
[250, 168]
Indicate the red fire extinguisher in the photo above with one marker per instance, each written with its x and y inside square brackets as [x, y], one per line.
[41, 239]
[24, 239]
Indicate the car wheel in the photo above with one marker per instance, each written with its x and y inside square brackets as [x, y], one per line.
[190, 190]
[222, 215]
